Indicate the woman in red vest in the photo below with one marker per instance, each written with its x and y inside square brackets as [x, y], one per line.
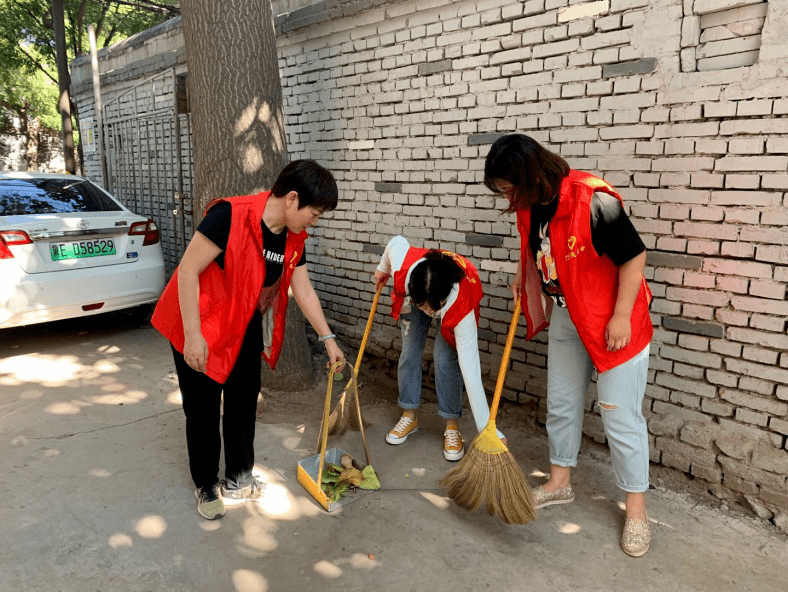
[581, 256]
[224, 312]
[439, 285]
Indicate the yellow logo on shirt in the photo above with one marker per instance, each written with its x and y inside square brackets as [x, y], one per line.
[571, 243]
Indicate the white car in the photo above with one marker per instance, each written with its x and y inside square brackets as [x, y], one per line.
[69, 249]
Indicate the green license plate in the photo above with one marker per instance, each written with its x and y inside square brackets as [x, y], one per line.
[82, 249]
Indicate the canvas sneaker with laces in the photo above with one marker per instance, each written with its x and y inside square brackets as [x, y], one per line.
[452, 444]
[209, 503]
[404, 428]
[252, 492]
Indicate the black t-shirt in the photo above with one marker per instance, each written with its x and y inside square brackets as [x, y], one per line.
[612, 234]
[216, 227]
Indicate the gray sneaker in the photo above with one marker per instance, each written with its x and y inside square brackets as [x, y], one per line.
[209, 503]
[252, 492]
[542, 498]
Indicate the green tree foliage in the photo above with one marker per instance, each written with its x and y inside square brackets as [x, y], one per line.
[29, 95]
[27, 44]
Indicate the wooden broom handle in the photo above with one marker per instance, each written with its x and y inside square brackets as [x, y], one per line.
[368, 328]
[507, 350]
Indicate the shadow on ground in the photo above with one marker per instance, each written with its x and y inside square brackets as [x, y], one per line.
[97, 496]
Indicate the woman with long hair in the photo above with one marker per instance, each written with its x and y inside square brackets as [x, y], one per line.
[581, 257]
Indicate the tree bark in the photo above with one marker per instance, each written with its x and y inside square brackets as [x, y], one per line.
[64, 82]
[31, 145]
[238, 127]
[236, 97]
[294, 370]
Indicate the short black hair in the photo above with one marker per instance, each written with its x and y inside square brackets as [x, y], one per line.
[431, 280]
[535, 172]
[315, 185]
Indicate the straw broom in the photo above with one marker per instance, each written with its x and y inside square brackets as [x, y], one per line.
[488, 473]
[340, 416]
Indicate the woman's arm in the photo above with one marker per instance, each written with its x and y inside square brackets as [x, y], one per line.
[517, 284]
[465, 334]
[307, 300]
[392, 258]
[630, 276]
[199, 254]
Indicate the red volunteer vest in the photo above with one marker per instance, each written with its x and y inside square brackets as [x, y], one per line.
[468, 299]
[229, 297]
[589, 282]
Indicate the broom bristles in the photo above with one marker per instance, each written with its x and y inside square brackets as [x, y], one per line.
[354, 421]
[489, 474]
[340, 417]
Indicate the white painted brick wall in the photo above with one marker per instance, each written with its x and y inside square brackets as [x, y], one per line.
[704, 156]
[413, 93]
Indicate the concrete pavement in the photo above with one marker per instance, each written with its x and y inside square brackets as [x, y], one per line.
[97, 497]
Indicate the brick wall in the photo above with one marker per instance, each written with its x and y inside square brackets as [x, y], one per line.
[402, 100]
[681, 105]
[719, 34]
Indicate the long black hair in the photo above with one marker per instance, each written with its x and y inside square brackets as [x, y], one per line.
[534, 171]
[432, 279]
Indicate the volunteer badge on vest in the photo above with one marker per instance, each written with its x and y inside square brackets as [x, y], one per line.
[572, 243]
[460, 261]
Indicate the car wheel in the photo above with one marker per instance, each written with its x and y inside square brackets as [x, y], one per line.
[139, 314]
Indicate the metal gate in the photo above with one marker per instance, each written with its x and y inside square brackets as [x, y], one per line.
[147, 135]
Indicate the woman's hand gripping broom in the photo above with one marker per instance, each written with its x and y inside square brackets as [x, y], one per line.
[488, 473]
[341, 416]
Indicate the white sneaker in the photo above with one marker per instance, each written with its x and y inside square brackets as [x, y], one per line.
[452, 445]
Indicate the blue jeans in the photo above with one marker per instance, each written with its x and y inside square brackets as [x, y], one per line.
[620, 393]
[448, 379]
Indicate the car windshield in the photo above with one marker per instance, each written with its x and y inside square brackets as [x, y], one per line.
[52, 196]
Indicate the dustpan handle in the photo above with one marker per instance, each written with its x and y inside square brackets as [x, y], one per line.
[322, 438]
[324, 425]
[361, 423]
[507, 350]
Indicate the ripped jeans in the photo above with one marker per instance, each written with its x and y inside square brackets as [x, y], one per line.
[620, 393]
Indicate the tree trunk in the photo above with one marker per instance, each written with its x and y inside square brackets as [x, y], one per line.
[64, 81]
[294, 370]
[31, 147]
[236, 97]
[238, 127]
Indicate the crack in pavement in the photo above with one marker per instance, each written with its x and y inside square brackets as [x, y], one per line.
[120, 425]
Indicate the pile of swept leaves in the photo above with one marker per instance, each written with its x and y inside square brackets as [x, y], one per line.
[338, 480]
